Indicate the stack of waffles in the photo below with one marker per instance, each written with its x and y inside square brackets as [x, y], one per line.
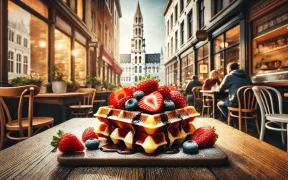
[150, 131]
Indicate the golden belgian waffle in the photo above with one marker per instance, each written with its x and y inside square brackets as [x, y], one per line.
[150, 131]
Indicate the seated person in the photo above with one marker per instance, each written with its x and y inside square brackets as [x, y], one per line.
[188, 91]
[234, 79]
[211, 81]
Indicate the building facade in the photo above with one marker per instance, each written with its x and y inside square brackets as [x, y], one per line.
[185, 55]
[139, 64]
[78, 36]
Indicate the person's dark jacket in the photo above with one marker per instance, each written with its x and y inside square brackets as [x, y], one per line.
[191, 85]
[233, 82]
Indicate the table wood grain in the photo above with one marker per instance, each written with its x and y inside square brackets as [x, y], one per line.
[249, 158]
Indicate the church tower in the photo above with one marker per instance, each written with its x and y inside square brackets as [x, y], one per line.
[138, 42]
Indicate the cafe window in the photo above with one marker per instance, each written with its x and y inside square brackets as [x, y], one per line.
[176, 40]
[202, 62]
[190, 24]
[176, 13]
[35, 31]
[18, 65]
[187, 68]
[79, 53]
[182, 32]
[80, 9]
[201, 14]
[181, 5]
[63, 53]
[218, 6]
[226, 49]
[25, 65]
[10, 61]
[270, 45]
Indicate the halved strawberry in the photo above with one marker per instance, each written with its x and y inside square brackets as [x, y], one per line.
[66, 143]
[147, 86]
[88, 134]
[205, 137]
[152, 103]
[165, 91]
[178, 99]
[119, 97]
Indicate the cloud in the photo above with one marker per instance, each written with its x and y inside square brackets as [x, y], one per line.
[154, 25]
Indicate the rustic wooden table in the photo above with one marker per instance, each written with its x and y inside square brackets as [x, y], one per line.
[249, 158]
[59, 99]
[214, 95]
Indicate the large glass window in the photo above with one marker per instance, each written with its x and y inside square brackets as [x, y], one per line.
[10, 61]
[176, 41]
[176, 13]
[226, 49]
[80, 9]
[79, 53]
[31, 39]
[187, 68]
[218, 5]
[63, 53]
[190, 24]
[202, 62]
[25, 65]
[182, 32]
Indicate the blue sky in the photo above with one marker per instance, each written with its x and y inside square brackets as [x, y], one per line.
[154, 25]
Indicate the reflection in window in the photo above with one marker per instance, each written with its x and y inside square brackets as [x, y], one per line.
[10, 61]
[226, 49]
[79, 53]
[63, 53]
[32, 33]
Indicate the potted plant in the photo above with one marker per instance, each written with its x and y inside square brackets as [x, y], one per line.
[89, 81]
[58, 84]
[98, 82]
[105, 85]
[19, 81]
[72, 86]
[44, 87]
[32, 79]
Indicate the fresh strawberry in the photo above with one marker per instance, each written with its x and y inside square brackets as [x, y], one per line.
[152, 103]
[147, 86]
[178, 99]
[205, 137]
[133, 88]
[66, 143]
[88, 134]
[165, 91]
[118, 97]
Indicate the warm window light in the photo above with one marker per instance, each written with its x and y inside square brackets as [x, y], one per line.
[42, 44]
[75, 52]
[222, 45]
[58, 46]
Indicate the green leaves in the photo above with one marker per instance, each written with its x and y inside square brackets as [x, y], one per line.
[56, 140]
[148, 77]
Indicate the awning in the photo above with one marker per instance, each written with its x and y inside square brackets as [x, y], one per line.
[107, 57]
[117, 68]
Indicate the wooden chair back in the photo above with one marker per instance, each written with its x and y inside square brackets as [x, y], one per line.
[246, 99]
[2, 127]
[20, 92]
[89, 98]
[197, 95]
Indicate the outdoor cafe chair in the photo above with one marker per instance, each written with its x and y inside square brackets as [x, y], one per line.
[86, 106]
[270, 103]
[21, 124]
[247, 107]
[197, 97]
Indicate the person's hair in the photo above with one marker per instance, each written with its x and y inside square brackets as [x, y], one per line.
[212, 73]
[194, 78]
[233, 66]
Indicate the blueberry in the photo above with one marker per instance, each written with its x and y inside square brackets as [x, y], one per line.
[169, 105]
[131, 104]
[92, 144]
[190, 147]
[138, 95]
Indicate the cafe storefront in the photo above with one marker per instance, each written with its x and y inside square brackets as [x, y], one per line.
[41, 35]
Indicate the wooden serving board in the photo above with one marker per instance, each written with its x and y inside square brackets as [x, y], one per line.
[205, 157]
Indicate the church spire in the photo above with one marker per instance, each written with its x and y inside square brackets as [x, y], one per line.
[138, 11]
